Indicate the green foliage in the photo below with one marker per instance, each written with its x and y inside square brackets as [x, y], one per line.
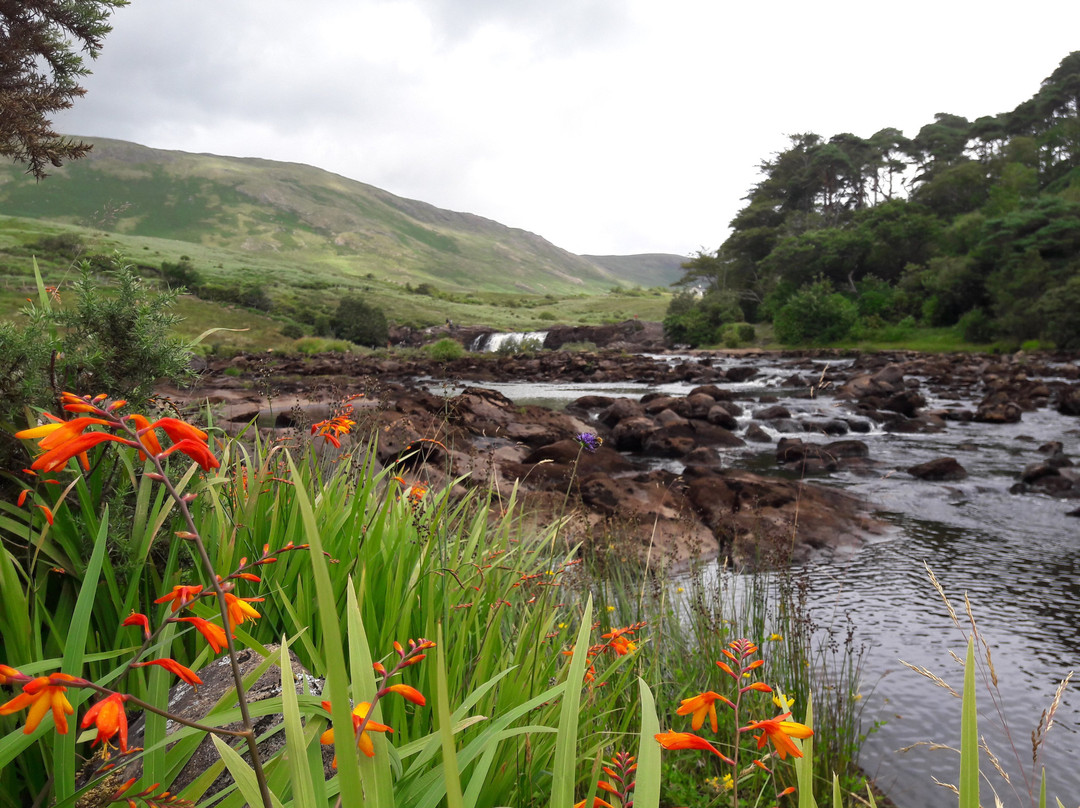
[989, 221]
[815, 314]
[181, 274]
[976, 326]
[359, 322]
[446, 350]
[40, 74]
[292, 331]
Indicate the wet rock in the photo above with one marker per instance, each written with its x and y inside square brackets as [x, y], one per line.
[940, 469]
[1069, 401]
[720, 416]
[756, 434]
[762, 520]
[740, 373]
[994, 411]
[187, 702]
[772, 413]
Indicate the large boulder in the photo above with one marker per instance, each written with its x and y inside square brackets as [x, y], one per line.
[195, 704]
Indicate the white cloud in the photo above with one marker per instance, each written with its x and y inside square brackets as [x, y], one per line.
[607, 126]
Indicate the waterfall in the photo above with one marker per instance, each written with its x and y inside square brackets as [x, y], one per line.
[492, 342]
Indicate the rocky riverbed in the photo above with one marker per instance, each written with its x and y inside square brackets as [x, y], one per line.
[662, 484]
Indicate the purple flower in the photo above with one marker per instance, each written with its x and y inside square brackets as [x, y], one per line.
[589, 441]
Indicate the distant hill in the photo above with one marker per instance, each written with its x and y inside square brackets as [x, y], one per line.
[325, 224]
[647, 269]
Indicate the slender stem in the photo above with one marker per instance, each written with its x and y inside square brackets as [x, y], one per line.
[238, 678]
[241, 696]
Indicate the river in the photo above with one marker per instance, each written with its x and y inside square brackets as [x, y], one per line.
[1014, 555]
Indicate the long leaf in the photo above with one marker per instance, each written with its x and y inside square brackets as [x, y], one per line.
[450, 764]
[337, 680]
[969, 735]
[804, 766]
[303, 787]
[242, 773]
[374, 772]
[74, 650]
[647, 790]
[563, 774]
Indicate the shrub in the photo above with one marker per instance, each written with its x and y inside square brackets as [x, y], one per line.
[547, 315]
[977, 326]
[446, 350]
[292, 331]
[359, 322]
[113, 336]
[815, 313]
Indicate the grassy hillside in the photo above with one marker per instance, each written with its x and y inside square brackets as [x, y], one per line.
[274, 244]
[294, 295]
[646, 269]
[331, 228]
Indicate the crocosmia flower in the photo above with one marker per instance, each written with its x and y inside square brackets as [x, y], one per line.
[41, 695]
[702, 705]
[364, 742]
[780, 732]
[688, 740]
[110, 719]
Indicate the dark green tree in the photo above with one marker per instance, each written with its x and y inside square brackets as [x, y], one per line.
[40, 69]
[359, 322]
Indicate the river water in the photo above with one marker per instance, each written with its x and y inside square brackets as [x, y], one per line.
[1016, 557]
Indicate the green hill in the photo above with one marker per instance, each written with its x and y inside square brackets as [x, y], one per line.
[645, 269]
[337, 229]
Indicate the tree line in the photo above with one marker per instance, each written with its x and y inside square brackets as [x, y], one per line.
[968, 223]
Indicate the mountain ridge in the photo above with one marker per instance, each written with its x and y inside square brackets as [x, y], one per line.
[335, 224]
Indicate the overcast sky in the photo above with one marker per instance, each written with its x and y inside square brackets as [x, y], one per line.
[605, 126]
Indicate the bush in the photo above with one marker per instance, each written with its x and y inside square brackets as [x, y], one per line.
[182, 273]
[547, 315]
[292, 331]
[815, 313]
[358, 322]
[977, 326]
[114, 336]
[446, 350]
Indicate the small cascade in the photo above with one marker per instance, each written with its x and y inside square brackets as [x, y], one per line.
[487, 343]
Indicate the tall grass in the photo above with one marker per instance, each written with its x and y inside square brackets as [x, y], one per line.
[509, 715]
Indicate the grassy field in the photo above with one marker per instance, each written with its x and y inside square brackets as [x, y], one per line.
[295, 294]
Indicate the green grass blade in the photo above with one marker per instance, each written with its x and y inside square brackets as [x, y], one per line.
[563, 774]
[337, 680]
[647, 790]
[303, 788]
[375, 772]
[74, 650]
[870, 797]
[451, 775]
[242, 774]
[804, 766]
[837, 797]
[969, 735]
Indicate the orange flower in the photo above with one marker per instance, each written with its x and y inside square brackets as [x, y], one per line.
[239, 611]
[687, 740]
[9, 675]
[173, 667]
[196, 450]
[597, 803]
[181, 596]
[110, 718]
[701, 705]
[137, 619]
[214, 634]
[59, 456]
[358, 716]
[41, 695]
[146, 436]
[780, 732]
[408, 693]
[179, 431]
